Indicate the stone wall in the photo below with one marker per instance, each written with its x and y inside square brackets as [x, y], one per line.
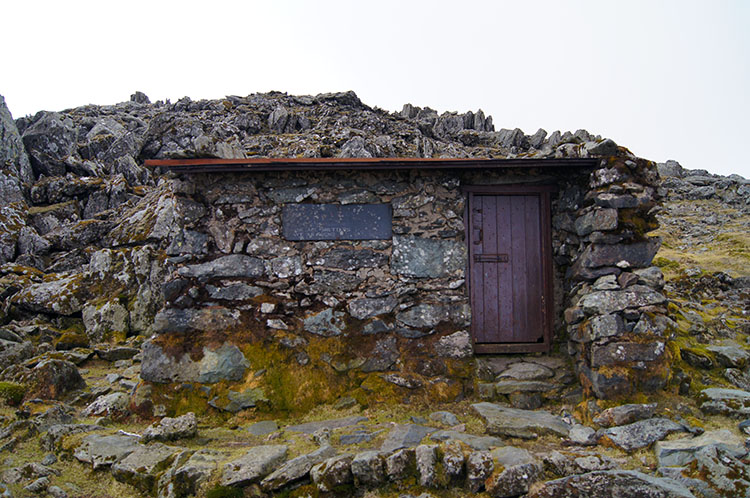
[259, 319]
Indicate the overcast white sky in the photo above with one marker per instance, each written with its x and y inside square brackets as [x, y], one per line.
[669, 79]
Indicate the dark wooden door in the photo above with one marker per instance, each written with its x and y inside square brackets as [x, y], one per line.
[508, 252]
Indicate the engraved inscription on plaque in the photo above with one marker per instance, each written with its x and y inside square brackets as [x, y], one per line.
[336, 222]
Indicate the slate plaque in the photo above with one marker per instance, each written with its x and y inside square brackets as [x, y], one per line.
[336, 221]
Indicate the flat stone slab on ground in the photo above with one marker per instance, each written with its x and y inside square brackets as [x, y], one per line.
[405, 436]
[296, 468]
[730, 355]
[525, 370]
[624, 414]
[640, 434]
[336, 423]
[254, 465]
[481, 443]
[614, 483]
[263, 428]
[140, 468]
[722, 401]
[679, 452]
[504, 421]
[101, 451]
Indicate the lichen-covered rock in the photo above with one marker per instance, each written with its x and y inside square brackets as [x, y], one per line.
[505, 421]
[624, 414]
[253, 466]
[114, 405]
[368, 469]
[515, 471]
[64, 295]
[479, 467]
[427, 460]
[620, 483]
[188, 472]
[50, 141]
[332, 473]
[143, 467]
[640, 434]
[103, 451]
[427, 258]
[54, 379]
[224, 363]
[171, 429]
[296, 469]
[106, 320]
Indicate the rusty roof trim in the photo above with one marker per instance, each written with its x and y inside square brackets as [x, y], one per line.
[375, 163]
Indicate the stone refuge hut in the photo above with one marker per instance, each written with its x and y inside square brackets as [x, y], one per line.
[365, 276]
[370, 254]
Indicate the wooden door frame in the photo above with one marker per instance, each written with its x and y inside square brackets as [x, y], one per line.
[544, 192]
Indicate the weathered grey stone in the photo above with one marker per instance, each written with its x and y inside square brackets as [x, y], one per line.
[625, 352]
[383, 355]
[404, 436]
[596, 220]
[445, 418]
[366, 307]
[253, 466]
[526, 370]
[599, 327]
[234, 265]
[619, 483]
[651, 276]
[171, 429]
[326, 323]
[225, 363]
[723, 469]
[336, 423]
[523, 386]
[605, 302]
[102, 451]
[334, 472]
[653, 325]
[174, 320]
[479, 467]
[455, 345]
[424, 315]
[188, 242]
[187, 473]
[606, 147]
[400, 464]
[54, 379]
[431, 258]
[13, 154]
[582, 435]
[670, 168]
[730, 355]
[296, 469]
[285, 266]
[453, 462]
[679, 452]
[721, 401]
[263, 428]
[113, 405]
[512, 422]
[635, 255]
[102, 321]
[235, 401]
[50, 141]
[519, 471]
[64, 296]
[235, 291]
[368, 469]
[624, 414]
[640, 434]
[472, 441]
[351, 259]
[426, 458]
[142, 467]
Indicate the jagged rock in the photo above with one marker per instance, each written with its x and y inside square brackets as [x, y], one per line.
[479, 467]
[142, 468]
[597, 220]
[615, 483]
[512, 422]
[64, 296]
[53, 379]
[730, 356]
[426, 458]
[104, 320]
[103, 451]
[296, 469]
[50, 142]
[334, 472]
[723, 468]
[721, 401]
[224, 363]
[624, 414]
[188, 472]
[253, 466]
[456, 345]
[171, 429]
[365, 307]
[400, 464]
[368, 469]
[13, 156]
[640, 434]
[453, 462]
[679, 452]
[113, 405]
[326, 323]
[517, 471]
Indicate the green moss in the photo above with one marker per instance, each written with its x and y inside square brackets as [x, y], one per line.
[70, 340]
[224, 492]
[12, 393]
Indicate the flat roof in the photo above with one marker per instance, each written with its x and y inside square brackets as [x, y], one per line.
[370, 163]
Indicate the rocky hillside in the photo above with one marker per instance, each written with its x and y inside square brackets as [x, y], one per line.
[85, 238]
